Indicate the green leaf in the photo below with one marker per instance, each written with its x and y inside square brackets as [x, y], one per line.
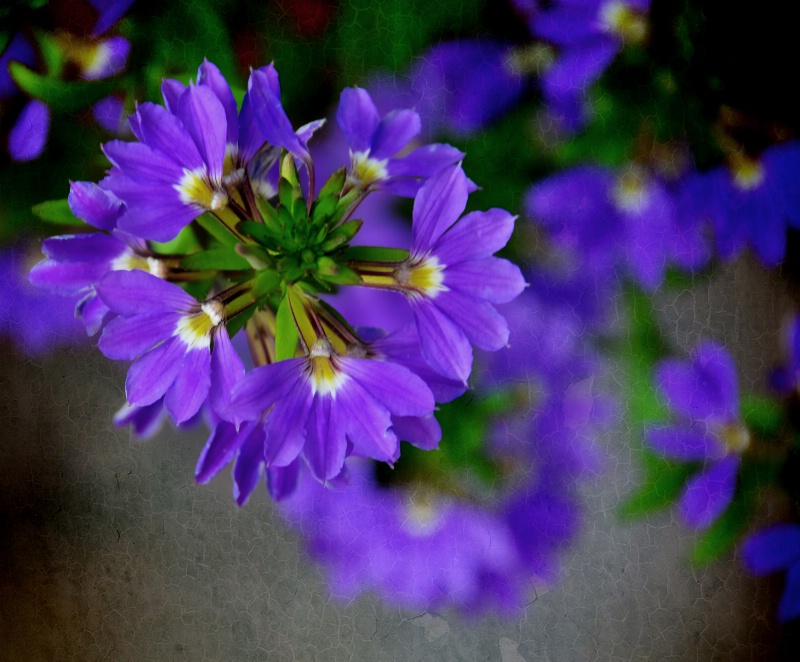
[374, 254]
[62, 96]
[334, 185]
[56, 211]
[220, 259]
[763, 416]
[342, 235]
[258, 231]
[238, 321]
[286, 334]
[664, 480]
[329, 271]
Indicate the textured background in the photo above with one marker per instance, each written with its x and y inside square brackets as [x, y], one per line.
[108, 549]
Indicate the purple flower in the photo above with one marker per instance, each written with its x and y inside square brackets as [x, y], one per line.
[626, 219]
[110, 11]
[773, 549]
[327, 406]
[464, 85]
[374, 142]
[704, 394]
[589, 35]
[28, 136]
[751, 202]
[170, 336]
[76, 263]
[191, 151]
[37, 321]
[451, 279]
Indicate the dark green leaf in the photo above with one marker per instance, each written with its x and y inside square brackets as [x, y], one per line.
[56, 211]
[721, 536]
[62, 96]
[374, 254]
[286, 334]
[222, 259]
[763, 416]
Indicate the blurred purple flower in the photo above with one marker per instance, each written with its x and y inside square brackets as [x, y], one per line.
[37, 321]
[704, 393]
[773, 549]
[751, 202]
[786, 378]
[588, 34]
[626, 220]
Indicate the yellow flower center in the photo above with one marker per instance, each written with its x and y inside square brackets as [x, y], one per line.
[195, 189]
[365, 170]
[325, 378]
[624, 21]
[195, 328]
[129, 261]
[422, 517]
[630, 193]
[747, 173]
[422, 277]
[736, 438]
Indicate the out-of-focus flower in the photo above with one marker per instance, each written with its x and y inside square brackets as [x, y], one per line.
[751, 201]
[786, 378]
[626, 220]
[588, 35]
[774, 549]
[704, 393]
[37, 321]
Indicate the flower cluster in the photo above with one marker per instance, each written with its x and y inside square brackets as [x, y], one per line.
[254, 247]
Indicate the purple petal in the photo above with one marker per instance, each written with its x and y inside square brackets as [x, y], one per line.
[161, 218]
[190, 389]
[172, 91]
[28, 136]
[92, 312]
[681, 443]
[110, 12]
[257, 391]
[287, 425]
[94, 205]
[394, 132]
[269, 113]
[90, 247]
[705, 388]
[358, 118]
[146, 421]
[282, 481]
[489, 278]
[395, 387]
[425, 161]
[164, 133]
[66, 278]
[478, 234]
[578, 68]
[367, 422]
[209, 75]
[226, 369]
[141, 163]
[152, 374]
[136, 292]
[439, 203]
[772, 549]
[325, 445]
[126, 338]
[249, 464]
[482, 324]
[444, 346]
[422, 431]
[707, 495]
[204, 118]
[219, 450]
